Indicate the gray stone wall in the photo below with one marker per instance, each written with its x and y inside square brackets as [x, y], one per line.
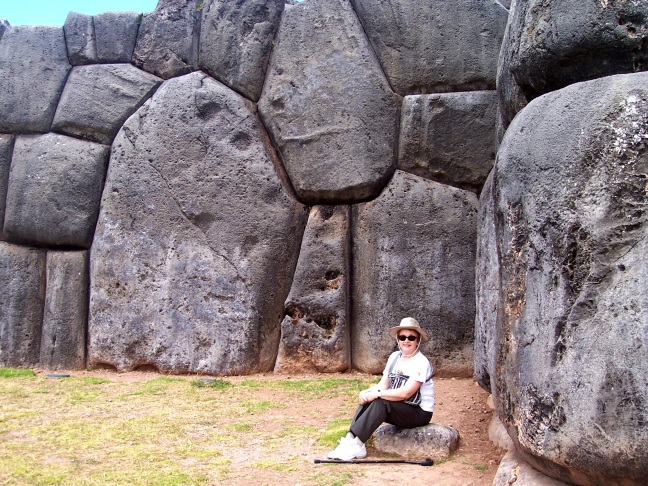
[251, 181]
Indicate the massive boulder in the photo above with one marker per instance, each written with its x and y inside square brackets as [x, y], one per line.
[329, 107]
[115, 35]
[168, 38]
[436, 45]
[6, 149]
[551, 44]
[54, 191]
[197, 238]
[315, 334]
[449, 137]
[80, 39]
[98, 99]
[572, 333]
[33, 70]
[65, 315]
[414, 255]
[236, 39]
[22, 297]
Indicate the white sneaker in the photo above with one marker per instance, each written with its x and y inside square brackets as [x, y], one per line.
[350, 448]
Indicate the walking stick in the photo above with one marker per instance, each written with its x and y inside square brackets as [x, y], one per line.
[426, 462]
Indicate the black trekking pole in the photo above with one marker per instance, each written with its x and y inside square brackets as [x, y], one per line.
[426, 462]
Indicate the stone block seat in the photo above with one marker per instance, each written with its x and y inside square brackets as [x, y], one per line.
[435, 441]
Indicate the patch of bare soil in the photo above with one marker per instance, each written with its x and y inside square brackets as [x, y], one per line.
[460, 403]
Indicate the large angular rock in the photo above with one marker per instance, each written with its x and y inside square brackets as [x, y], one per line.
[4, 25]
[552, 44]
[80, 39]
[98, 99]
[197, 238]
[6, 149]
[487, 285]
[33, 70]
[433, 441]
[63, 340]
[115, 35]
[449, 138]
[54, 190]
[570, 207]
[236, 39]
[435, 46]
[514, 470]
[168, 38]
[328, 106]
[22, 296]
[414, 255]
[315, 333]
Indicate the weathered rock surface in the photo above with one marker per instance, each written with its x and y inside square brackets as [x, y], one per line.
[414, 255]
[552, 44]
[54, 191]
[65, 316]
[115, 35]
[316, 331]
[498, 434]
[450, 137]
[22, 296]
[6, 149]
[328, 106]
[434, 441]
[33, 70]
[435, 46]
[80, 39]
[197, 239]
[236, 41]
[514, 470]
[97, 100]
[168, 38]
[570, 208]
[487, 290]
[4, 25]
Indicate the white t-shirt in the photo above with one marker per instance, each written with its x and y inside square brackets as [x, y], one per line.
[419, 368]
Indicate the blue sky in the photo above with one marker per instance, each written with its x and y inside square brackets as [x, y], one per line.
[54, 12]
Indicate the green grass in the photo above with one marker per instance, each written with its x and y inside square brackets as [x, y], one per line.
[167, 430]
[14, 373]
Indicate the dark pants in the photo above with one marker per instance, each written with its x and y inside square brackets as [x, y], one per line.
[369, 416]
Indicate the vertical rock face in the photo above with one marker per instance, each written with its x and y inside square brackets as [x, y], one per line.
[570, 206]
[6, 149]
[316, 330]
[80, 39]
[551, 44]
[450, 137]
[236, 40]
[167, 43]
[115, 35]
[435, 45]
[414, 255]
[54, 190]
[328, 106]
[66, 311]
[97, 100]
[487, 286]
[33, 70]
[22, 295]
[197, 238]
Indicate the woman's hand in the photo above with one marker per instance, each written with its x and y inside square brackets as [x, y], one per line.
[368, 395]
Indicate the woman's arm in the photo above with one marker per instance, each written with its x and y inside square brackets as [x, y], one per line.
[410, 387]
[372, 391]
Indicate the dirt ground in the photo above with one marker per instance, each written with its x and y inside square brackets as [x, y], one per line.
[460, 403]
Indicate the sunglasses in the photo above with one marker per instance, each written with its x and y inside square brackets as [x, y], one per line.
[409, 338]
